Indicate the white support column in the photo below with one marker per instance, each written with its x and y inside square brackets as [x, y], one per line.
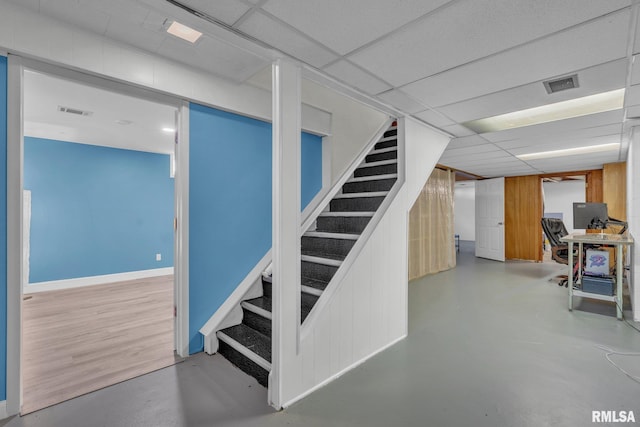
[286, 225]
[633, 217]
[15, 156]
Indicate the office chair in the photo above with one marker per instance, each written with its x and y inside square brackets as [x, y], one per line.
[554, 229]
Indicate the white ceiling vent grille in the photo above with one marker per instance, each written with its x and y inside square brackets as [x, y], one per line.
[75, 111]
[564, 83]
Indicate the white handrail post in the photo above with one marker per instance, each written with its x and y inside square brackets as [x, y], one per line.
[286, 225]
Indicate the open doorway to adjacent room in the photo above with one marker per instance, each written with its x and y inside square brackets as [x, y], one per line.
[559, 193]
[98, 238]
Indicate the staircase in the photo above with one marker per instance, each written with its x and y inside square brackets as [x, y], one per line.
[248, 345]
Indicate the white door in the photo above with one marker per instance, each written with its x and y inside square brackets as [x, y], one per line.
[490, 219]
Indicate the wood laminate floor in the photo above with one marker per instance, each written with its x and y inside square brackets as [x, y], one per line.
[80, 340]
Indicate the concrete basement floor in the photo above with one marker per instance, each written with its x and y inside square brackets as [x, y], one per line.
[490, 344]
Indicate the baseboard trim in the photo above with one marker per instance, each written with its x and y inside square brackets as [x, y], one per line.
[342, 372]
[3, 410]
[79, 282]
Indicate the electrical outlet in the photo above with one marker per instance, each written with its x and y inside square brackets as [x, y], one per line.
[158, 257]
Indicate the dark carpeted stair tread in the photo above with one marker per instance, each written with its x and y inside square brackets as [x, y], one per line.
[390, 132]
[336, 257]
[356, 204]
[313, 283]
[386, 144]
[251, 339]
[375, 170]
[322, 245]
[372, 185]
[376, 157]
[262, 302]
[342, 224]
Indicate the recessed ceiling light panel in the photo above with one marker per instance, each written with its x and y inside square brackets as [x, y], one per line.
[570, 151]
[592, 104]
[184, 32]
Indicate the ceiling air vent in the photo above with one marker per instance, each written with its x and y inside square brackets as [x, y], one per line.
[564, 83]
[75, 111]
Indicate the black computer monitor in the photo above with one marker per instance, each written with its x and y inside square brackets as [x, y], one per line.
[590, 216]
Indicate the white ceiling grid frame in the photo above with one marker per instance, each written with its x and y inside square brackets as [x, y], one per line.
[534, 61]
[357, 77]
[512, 23]
[344, 26]
[282, 37]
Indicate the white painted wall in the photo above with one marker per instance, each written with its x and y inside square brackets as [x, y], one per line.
[560, 196]
[464, 210]
[633, 218]
[368, 312]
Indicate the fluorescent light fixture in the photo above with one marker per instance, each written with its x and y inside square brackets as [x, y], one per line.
[570, 151]
[185, 33]
[598, 103]
[168, 129]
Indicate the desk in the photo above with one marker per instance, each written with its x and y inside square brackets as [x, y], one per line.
[616, 240]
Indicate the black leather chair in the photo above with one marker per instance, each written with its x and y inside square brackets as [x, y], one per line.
[554, 229]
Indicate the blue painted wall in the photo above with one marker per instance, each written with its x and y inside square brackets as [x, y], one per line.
[230, 204]
[3, 228]
[96, 210]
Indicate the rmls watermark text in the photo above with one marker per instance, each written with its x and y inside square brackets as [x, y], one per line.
[613, 417]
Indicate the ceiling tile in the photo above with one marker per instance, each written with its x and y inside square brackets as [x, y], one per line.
[632, 96]
[287, 40]
[597, 79]
[458, 130]
[228, 11]
[435, 118]
[401, 100]
[346, 25]
[135, 35]
[575, 49]
[120, 9]
[458, 34]
[354, 76]
[213, 56]
[70, 11]
[31, 4]
[635, 70]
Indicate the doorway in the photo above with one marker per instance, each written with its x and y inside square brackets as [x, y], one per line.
[73, 247]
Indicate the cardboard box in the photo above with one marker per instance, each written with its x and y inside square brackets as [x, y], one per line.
[597, 262]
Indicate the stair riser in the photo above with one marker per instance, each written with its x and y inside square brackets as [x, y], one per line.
[377, 157]
[266, 289]
[321, 245]
[318, 271]
[376, 170]
[307, 302]
[247, 366]
[386, 144]
[353, 224]
[389, 133]
[257, 322]
[366, 186]
[356, 204]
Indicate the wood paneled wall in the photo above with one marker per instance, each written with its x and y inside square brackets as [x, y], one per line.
[522, 213]
[593, 185]
[614, 189]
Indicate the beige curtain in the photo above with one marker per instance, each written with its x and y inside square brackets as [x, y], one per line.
[431, 236]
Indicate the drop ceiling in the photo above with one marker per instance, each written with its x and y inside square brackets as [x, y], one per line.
[443, 62]
[111, 119]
